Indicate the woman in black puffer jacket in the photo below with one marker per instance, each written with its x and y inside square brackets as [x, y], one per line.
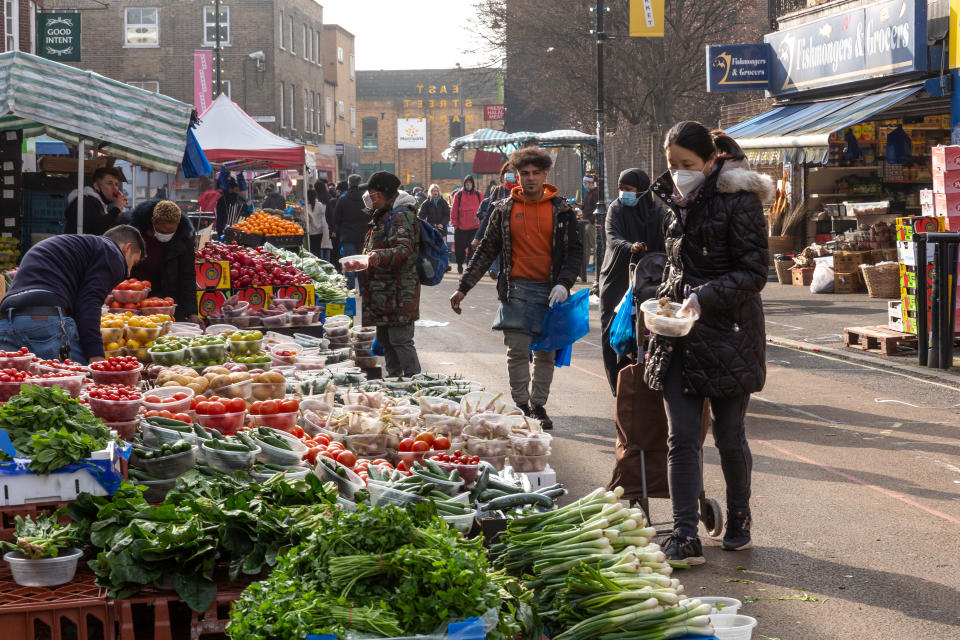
[717, 263]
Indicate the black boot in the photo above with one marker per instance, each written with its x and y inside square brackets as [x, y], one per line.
[737, 535]
[540, 413]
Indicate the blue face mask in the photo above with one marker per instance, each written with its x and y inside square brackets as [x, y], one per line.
[629, 198]
[509, 177]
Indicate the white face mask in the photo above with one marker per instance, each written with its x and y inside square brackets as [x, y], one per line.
[163, 237]
[367, 200]
[686, 180]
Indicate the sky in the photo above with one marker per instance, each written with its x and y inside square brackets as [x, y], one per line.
[406, 34]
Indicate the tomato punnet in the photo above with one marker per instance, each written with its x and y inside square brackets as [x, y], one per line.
[236, 405]
[347, 458]
[289, 405]
[406, 445]
[420, 445]
[425, 437]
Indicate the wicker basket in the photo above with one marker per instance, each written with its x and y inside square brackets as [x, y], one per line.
[784, 274]
[883, 280]
[780, 244]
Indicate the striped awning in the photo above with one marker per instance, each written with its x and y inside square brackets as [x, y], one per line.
[504, 142]
[45, 97]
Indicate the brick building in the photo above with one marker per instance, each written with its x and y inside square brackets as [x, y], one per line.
[340, 96]
[19, 24]
[150, 44]
[450, 101]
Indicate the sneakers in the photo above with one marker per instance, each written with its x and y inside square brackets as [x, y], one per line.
[537, 411]
[737, 535]
[678, 548]
[459, 268]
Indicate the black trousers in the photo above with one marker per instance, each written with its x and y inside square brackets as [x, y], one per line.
[461, 240]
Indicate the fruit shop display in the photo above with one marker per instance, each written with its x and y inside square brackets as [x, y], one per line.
[252, 266]
[132, 335]
[329, 285]
[265, 224]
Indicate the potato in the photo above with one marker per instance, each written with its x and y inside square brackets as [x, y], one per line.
[182, 380]
[270, 376]
[218, 370]
[171, 383]
[202, 383]
[165, 376]
[197, 387]
[239, 376]
[220, 381]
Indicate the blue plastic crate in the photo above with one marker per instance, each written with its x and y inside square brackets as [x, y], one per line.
[44, 206]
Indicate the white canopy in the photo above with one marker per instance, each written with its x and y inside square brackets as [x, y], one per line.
[229, 136]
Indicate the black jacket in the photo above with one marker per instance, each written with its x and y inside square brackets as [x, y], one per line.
[350, 219]
[720, 251]
[97, 216]
[435, 213]
[275, 201]
[178, 279]
[80, 270]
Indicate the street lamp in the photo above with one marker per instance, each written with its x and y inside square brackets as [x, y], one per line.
[257, 56]
[462, 128]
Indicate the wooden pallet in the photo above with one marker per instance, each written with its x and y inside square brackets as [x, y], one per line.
[879, 339]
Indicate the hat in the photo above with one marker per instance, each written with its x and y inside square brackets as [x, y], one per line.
[384, 182]
[636, 178]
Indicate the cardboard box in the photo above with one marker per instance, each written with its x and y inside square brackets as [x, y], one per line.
[926, 196]
[850, 261]
[946, 204]
[928, 209]
[910, 225]
[946, 158]
[212, 275]
[946, 181]
[906, 253]
[895, 324]
[258, 297]
[849, 282]
[209, 302]
[802, 276]
[303, 292]
[895, 309]
[951, 223]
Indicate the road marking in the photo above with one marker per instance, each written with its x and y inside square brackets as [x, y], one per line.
[880, 490]
[789, 326]
[915, 406]
[940, 463]
[787, 407]
[895, 425]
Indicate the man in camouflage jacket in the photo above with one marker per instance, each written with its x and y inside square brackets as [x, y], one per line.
[390, 285]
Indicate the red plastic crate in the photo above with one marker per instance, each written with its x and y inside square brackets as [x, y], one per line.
[75, 611]
[7, 515]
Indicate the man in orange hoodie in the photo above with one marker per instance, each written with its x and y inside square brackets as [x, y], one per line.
[536, 236]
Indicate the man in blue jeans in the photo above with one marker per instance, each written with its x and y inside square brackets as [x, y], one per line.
[53, 307]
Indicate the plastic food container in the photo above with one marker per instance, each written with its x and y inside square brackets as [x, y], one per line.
[289, 303]
[208, 352]
[438, 406]
[179, 406]
[275, 455]
[310, 363]
[497, 462]
[156, 489]
[529, 464]
[340, 319]
[70, 384]
[267, 390]
[664, 326]
[126, 430]
[347, 484]
[468, 472]
[243, 321]
[159, 311]
[484, 402]
[367, 444]
[729, 626]
[227, 423]
[447, 487]
[140, 353]
[304, 319]
[170, 466]
[341, 331]
[111, 334]
[359, 262]
[463, 523]
[728, 606]
[381, 494]
[450, 426]
[363, 334]
[242, 307]
[154, 436]
[245, 347]
[487, 448]
[235, 390]
[282, 320]
[169, 358]
[362, 350]
[229, 461]
[21, 363]
[47, 572]
[127, 297]
[219, 329]
[290, 475]
[143, 334]
[283, 421]
[128, 378]
[538, 444]
[293, 347]
[114, 410]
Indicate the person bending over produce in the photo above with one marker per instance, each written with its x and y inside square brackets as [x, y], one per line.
[716, 240]
[168, 263]
[390, 285]
[536, 237]
[53, 307]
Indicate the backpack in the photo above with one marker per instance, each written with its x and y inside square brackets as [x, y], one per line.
[433, 254]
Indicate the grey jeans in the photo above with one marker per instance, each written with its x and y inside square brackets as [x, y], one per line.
[684, 413]
[518, 368]
[398, 350]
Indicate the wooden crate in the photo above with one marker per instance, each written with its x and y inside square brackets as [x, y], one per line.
[802, 276]
[850, 261]
[880, 340]
[848, 282]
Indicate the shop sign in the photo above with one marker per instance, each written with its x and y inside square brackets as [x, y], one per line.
[202, 79]
[411, 133]
[58, 36]
[646, 18]
[493, 112]
[882, 39]
[738, 67]
[340, 149]
[370, 144]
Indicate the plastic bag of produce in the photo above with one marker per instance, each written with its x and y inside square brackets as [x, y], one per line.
[623, 329]
[822, 276]
[564, 323]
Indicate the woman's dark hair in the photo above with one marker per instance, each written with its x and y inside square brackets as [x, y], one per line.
[696, 137]
[321, 192]
[311, 197]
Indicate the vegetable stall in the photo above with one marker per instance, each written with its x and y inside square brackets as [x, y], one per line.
[259, 484]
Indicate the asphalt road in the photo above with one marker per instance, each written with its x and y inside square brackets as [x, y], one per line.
[856, 483]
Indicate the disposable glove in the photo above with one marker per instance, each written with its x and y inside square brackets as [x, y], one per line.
[558, 294]
[690, 307]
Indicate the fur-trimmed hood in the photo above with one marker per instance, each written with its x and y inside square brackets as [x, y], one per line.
[736, 175]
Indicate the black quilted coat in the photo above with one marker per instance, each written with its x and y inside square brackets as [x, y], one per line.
[721, 253]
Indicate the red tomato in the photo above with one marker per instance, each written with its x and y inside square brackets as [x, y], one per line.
[152, 400]
[180, 395]
[420, 445]
[425, 437]
[347, 458]
[329, 454]
[335, 446]
[406, 444]
[182, 417]
[236, 405]
[402, 466]
[441, 443]
[297, 431]
[270, 407]
[255, 408]
[323, 439]
[216, 408]
[289, 405]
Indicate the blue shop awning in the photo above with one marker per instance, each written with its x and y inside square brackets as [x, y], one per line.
[801, 132]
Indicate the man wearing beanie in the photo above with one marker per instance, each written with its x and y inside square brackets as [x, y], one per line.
[349, 224]
[390, 285]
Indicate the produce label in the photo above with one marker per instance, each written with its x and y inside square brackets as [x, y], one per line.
[213, 275]
[209, 302]
[258, 297]
[331, 309]
[303, 293]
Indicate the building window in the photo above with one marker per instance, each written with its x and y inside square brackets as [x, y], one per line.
[306, 111]
[293, 48]
[319, 114]
[329, 111]
[293, 106]
[313, 113]
[11, 25]
[306, 51]
[210, 26]
[353, 119]
[280, 38]
[309, 56]
[33, 27]
[353, 67]
[316, 48]
[340, 112]
[368, 133]
[456, 130]
[283, 122]
[152, 86]
[141, 28]
[340, 55]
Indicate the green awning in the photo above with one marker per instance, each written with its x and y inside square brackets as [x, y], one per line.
[45, 97]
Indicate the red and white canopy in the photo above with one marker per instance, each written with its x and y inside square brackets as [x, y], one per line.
[229, 136]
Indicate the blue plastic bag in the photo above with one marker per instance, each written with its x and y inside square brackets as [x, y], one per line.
[623, 329]
[564, 323]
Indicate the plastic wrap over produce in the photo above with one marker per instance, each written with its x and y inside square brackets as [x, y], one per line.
[470, 629]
